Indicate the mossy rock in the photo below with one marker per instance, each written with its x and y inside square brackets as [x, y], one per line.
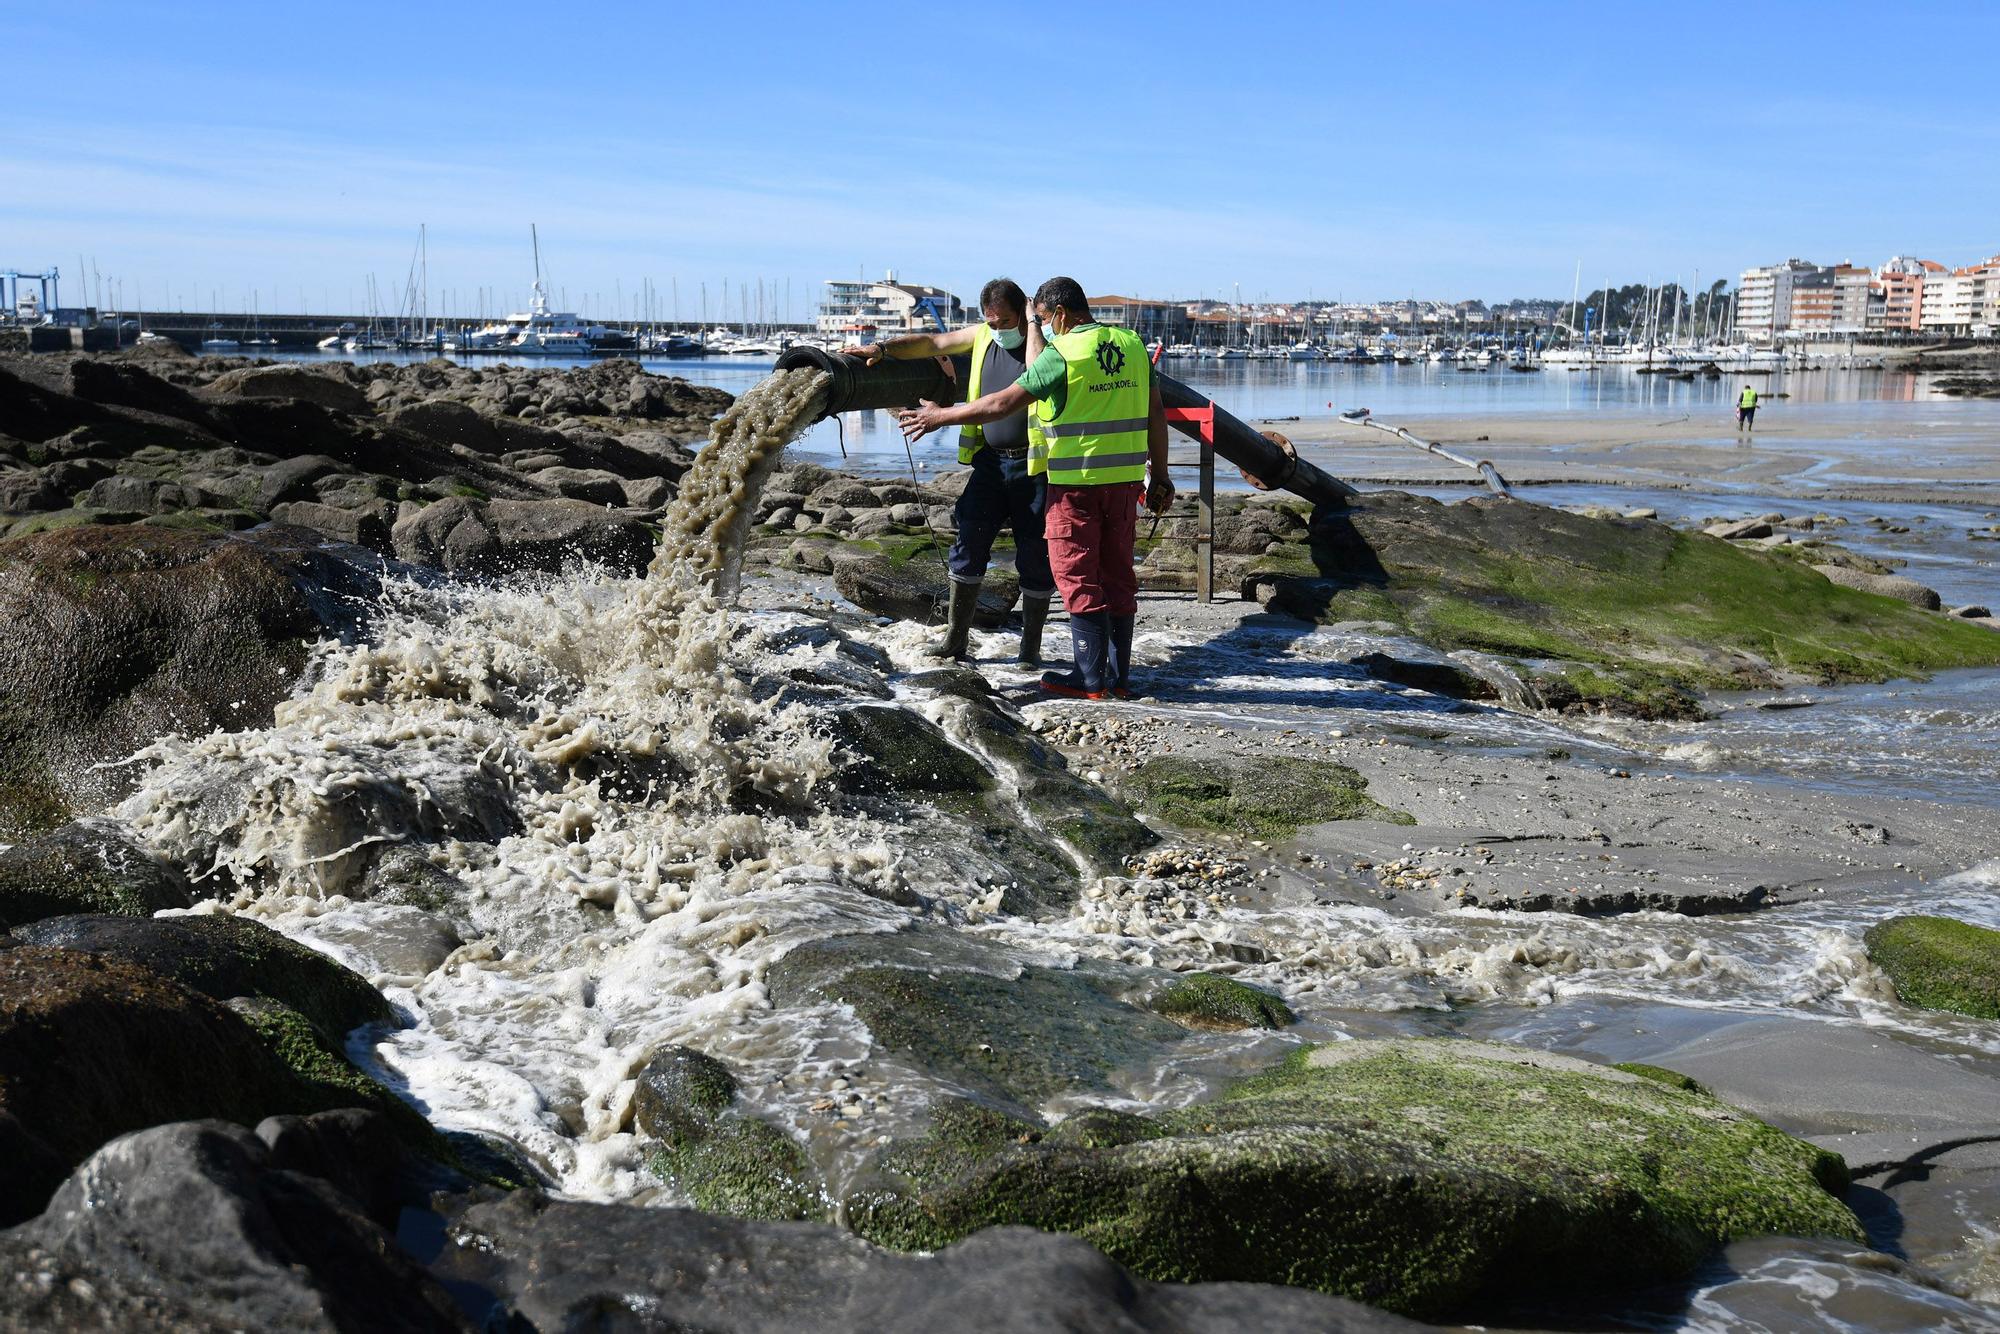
[1432, 1177]
[1671, 1078]
[1208, 1000]
[1939, 963]
[1012, 1035]
[225, 957]
[1101, 829]
[85, 867]
[328, 1078]
[1632, 596]
[717, 1157]
[899, 750]
[1270, 797]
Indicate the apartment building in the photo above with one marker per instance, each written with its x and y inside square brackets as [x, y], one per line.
[1899, 287]
[1764, 298]
[887, 307]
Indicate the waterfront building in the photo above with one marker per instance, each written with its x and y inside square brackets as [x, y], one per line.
[886, 308]
[1764, 298]
[1899, 289]
[1947, 300]
[1153, 321]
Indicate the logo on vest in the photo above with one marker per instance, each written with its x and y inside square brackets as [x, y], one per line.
[1110, 357]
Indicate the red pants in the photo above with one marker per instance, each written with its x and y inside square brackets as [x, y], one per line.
[1090, 531]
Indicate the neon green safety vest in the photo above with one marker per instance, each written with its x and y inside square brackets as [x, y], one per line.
[972, 439]
[1749, 399]
[1100, 436]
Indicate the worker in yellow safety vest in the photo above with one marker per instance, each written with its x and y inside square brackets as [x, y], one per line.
[1100, 418]
[1746, 409]
[1006, 486]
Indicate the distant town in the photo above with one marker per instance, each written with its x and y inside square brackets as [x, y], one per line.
[1904, 300]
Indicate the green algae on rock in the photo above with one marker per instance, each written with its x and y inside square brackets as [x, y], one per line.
[85, 868]
[718, 1158]
[1420, 1175]
[1013, 1035]
[1653, 607]
[1939, 963]
[1272, 796]
[1208, 1000]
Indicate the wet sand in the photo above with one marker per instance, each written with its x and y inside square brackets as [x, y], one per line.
[1945, 454]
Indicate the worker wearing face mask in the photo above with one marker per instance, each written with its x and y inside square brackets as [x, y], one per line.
[1006, 487]
[1101, 433]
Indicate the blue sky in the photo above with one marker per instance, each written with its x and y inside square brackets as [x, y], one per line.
[205, 151]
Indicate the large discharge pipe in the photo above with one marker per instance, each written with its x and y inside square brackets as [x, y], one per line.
[1268, 464]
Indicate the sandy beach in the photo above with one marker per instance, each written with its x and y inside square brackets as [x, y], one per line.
[1943, 454]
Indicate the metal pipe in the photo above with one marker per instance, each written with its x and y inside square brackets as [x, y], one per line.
[1266, 462]
[889, 383]
[1484, 467]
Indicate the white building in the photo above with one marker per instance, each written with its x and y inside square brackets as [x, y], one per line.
[1947, 302]
[886, 308]
[1764, 298]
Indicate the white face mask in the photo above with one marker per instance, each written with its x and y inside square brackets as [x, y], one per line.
[1009, 338]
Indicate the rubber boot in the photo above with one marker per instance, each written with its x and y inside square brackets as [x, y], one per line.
[1034, 615]
[1090, 638]
[1120, 675]
[958, 623]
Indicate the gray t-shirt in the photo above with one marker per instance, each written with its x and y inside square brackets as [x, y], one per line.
[1009, 435]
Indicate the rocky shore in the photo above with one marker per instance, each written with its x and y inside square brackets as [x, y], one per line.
[938, 1006]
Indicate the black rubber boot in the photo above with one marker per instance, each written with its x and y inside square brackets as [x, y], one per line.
[1034, 615]
[1090, 637]
[1120, 675]
[958, 623]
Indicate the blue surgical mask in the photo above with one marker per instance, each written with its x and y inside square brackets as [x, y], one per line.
[1010, 339]
[1048, 332]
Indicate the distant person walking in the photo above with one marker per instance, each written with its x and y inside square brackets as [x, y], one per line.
[1746, 409]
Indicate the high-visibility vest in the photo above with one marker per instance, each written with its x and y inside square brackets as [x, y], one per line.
[972, 439]
[1100, 435]
[1749, 399]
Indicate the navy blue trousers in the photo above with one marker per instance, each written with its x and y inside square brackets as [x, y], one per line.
[1000, 494]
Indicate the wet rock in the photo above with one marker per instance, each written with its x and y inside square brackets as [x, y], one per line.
[1740, 530]
[366, 526]
[1269, 797]
[549, 535]
[1439, 678]
[87, 866]
[556, 1264]
[1632, 597]
[195, 1227]
[591, 484]
[1099, 827]
[92, 1047]
[1206, 1000]
[1884, 585]
[899, 750]
[312, 384]
[884, 588]
[969, 1015]
[647, 493]
[112, 636]
[1432, 1177]
[837, 490]
[294, 479]
[147, 495]
[449, 534]
[1972, 611]
[1939, 963]
[402, 877]
[714, 1155]
[224, 956]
